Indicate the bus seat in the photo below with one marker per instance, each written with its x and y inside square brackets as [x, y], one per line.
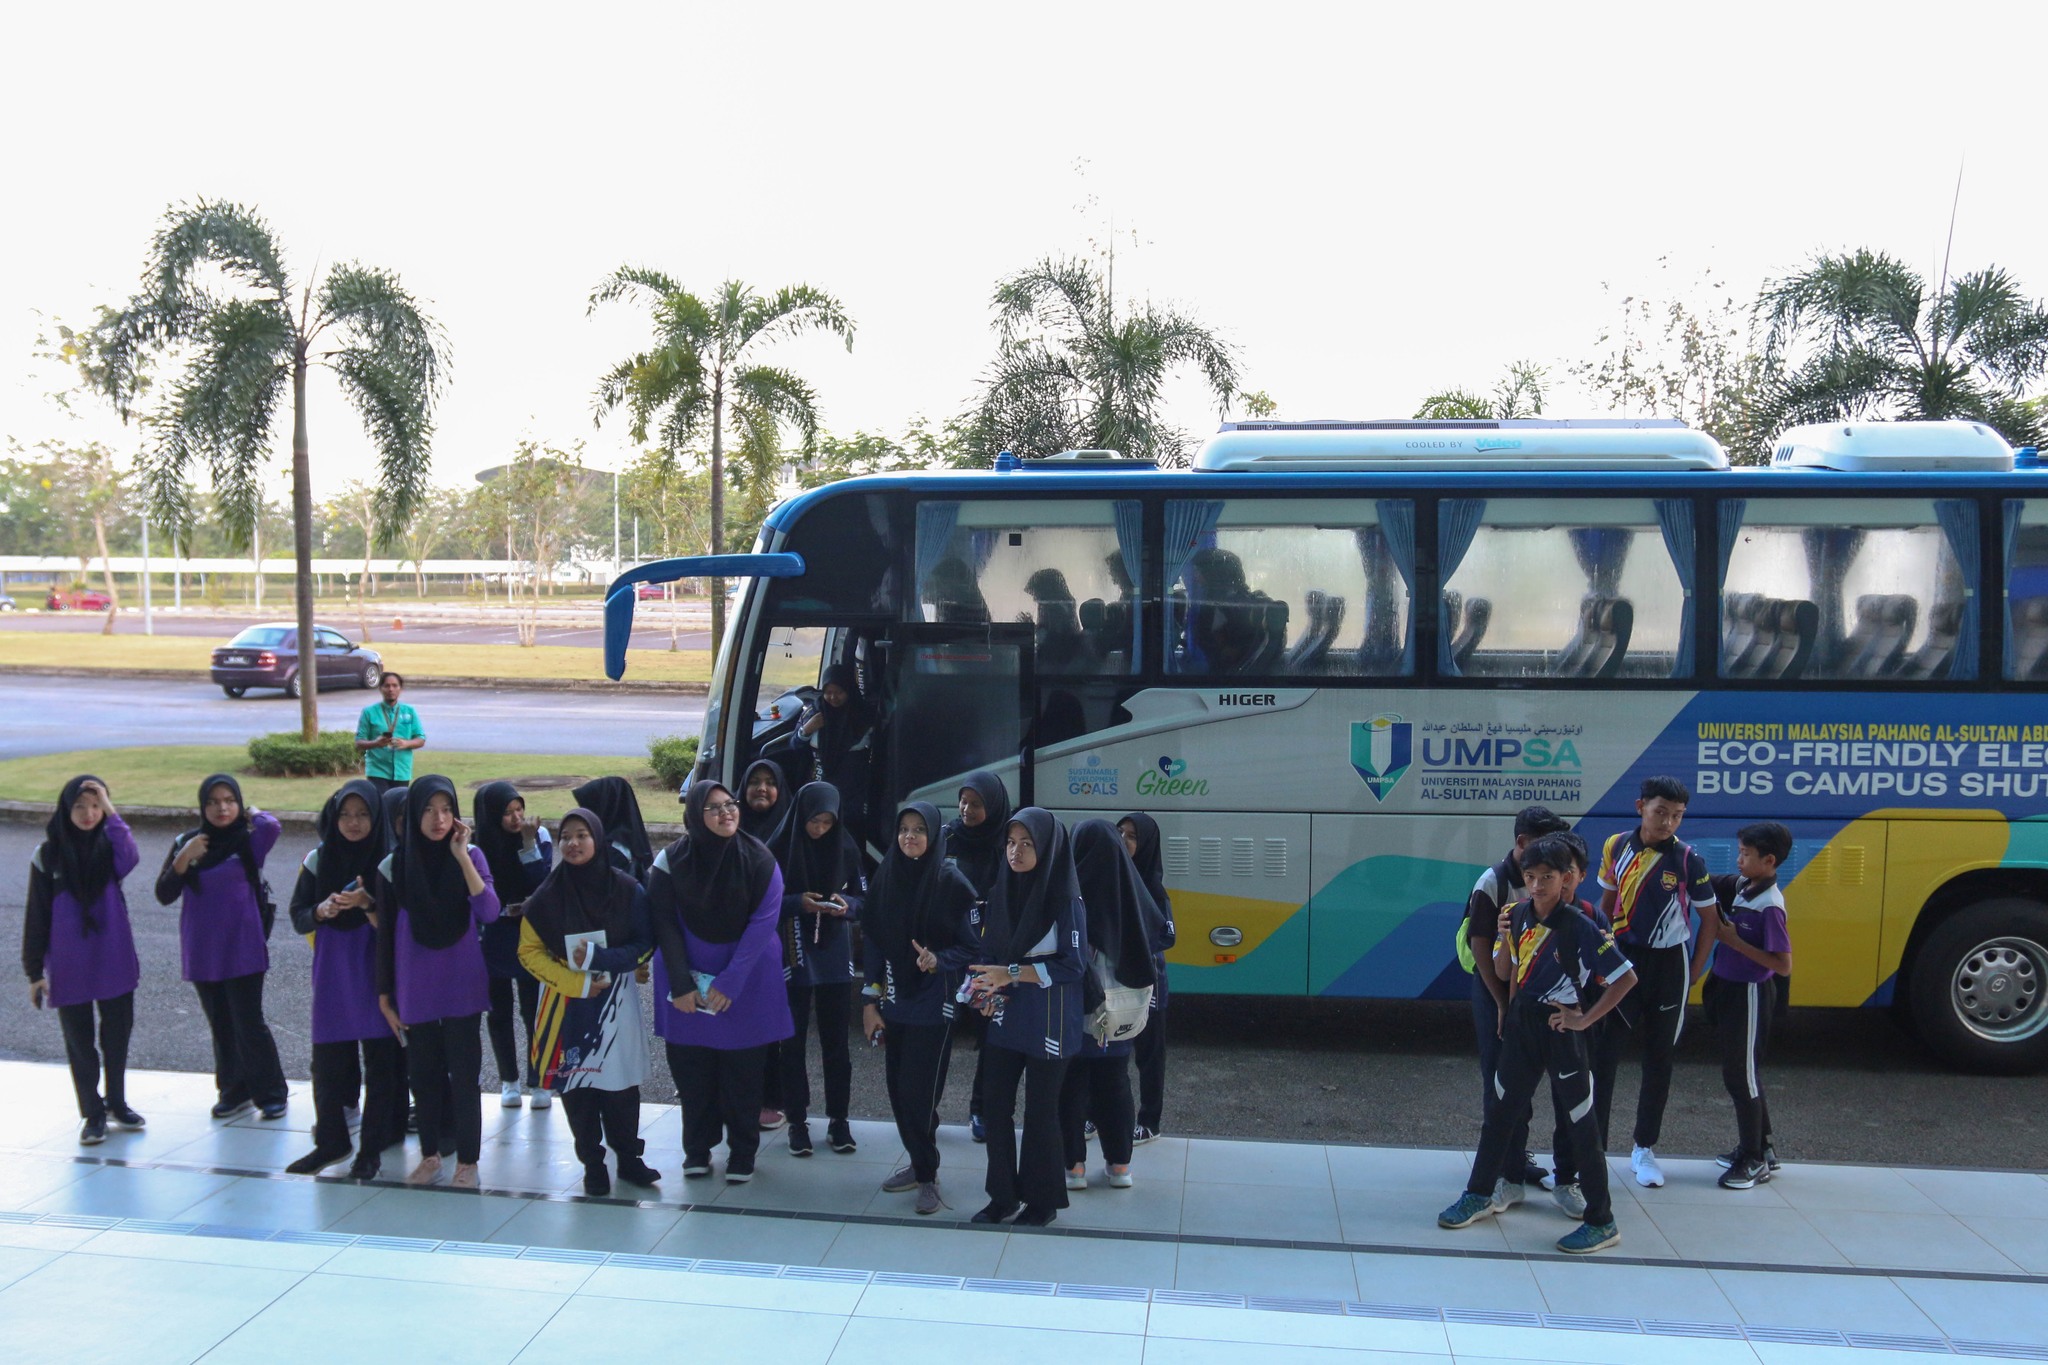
[1763, 639]
[1798, 627]
[1271, 617]
[1738, 625]
[1577, 656]
[1897, 614]
[1325, 618]
[1933, 657]
[1478, 616]
[1617, 624]
[2030, 638]
[1857, 645]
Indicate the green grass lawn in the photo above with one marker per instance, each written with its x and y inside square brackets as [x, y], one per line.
[169, 775]
[512, 663]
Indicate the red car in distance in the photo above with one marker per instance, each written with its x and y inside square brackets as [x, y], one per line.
[82, 599]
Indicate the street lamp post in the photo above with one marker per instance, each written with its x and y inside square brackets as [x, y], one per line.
[148, 620]
[615, 525]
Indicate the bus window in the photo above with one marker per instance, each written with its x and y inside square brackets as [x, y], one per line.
[1858, 588]
[2026, 589]
[1549, 588]
[792, 659]
[849, 548]
[1063, 567]
[1312, 588]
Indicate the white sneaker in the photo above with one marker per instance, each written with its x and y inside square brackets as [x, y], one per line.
[1571, 1199]
[1118, 1180]
[508, 1094]
[1643, 1161]
[1077, 1180]
[1506, 1194]
[542, 1099]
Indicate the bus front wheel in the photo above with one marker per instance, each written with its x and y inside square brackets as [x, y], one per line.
[1980, 987]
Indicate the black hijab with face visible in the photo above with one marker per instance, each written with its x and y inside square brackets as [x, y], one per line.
[82, 859]
[1026, 905]
[915, 899]
[979, 850]
[1119, 907]
[718, 883]
[844, 725]
[765, 825]
[500, 849]
[612, 801]
[342, 860]
[393, 816]
[824, 866]
[576, 900]
[425, 876]
[222, 841]
[1151, 868]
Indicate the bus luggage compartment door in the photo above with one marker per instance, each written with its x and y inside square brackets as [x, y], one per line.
[1239, 884]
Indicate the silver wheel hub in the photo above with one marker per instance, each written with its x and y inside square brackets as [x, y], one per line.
[1998, 988]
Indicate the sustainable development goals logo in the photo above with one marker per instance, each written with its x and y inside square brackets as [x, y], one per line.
[1381, 750]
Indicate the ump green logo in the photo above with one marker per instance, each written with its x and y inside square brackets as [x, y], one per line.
[1381, 750]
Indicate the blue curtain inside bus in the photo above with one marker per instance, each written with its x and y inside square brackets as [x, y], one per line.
[1457, 522]
[1958, 517]
[1130, 544]
[1674, 519]
[2014, 509]
[1601, 552]
[1188, 524]
[935, 523]
[1728, 521]
[1830, 550]
[1397, 525]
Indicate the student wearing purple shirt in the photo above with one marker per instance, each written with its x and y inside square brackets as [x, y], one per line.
[713, 900]
[353, 1049]
[215, 871]
[1752, 945]
[79, 950]
[434, 893]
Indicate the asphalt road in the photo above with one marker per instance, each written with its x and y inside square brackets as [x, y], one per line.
[650, 626]
[1844, 1085]
[54, 714]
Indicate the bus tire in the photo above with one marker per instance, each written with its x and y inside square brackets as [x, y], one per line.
[1980, 987]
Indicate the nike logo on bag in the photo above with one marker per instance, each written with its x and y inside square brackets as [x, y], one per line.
[1566, 1075]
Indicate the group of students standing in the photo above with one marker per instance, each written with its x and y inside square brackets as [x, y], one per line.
[423, 925]
[1559, 983]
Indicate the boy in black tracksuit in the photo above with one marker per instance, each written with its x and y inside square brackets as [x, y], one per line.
[1753, 947]
[1549, 952]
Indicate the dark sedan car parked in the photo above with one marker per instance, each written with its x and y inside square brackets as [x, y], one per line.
[268, 656]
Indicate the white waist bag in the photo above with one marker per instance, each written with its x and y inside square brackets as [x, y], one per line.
[1124, 1009]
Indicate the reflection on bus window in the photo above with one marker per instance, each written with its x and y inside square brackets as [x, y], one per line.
[1290, 586]
[790, 660]
[1544, 588]
[2026, 589]
[1848, 589]
[1066, 568]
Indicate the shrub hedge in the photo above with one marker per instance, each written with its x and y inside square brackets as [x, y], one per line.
[672, 757]
[331, 754]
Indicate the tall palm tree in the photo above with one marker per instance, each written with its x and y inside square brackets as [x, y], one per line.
[699, 377]
[1861, 335]
[1072, 372]
[216, 293]
[1519, 393]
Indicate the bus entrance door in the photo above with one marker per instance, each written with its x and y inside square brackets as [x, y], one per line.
[960, 699]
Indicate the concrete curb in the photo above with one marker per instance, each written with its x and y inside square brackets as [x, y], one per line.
[36, 812]
[686, 689]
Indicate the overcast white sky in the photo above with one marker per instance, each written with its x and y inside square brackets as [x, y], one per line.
[1371, 201]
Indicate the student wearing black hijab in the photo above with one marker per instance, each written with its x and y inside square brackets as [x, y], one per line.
[215, 872]
[434, 893]
[921, 931]
[713, 900]
[353, 1050]
[1141, 841]
[612, 801]
[765, 799]
[821, 897]
[974, 844]
[839, 729]
[79, 949]
[520, 853]
[1034, 926]
[584, 936]
[1098, 1081]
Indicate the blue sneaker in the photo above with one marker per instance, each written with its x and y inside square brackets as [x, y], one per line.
[1469, 1209]
[1590, 1237]
[976, 1129]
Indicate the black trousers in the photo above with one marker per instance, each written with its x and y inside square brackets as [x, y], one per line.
[245, 1065]
[1530, 1050]
[1741, 1015]
[1655, 1012]
[915, 1059]
[1031, 1172]
[1148, 1050]
[600, 1116]
[788, 1087]
[1486, 1030]
[504, 1048]
[720, 1092]
[446, 1067]
[385, 784]
[977, 1024]
[117, 1025]
[1098, 1088]
[340, 1071]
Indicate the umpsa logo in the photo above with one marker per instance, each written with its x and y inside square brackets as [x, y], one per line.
[1169, 778]
[1173, 767]
[1381, 750]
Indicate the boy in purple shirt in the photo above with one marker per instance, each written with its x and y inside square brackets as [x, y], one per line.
[1752, 946]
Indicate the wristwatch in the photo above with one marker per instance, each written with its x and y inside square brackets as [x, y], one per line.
[1015, 971]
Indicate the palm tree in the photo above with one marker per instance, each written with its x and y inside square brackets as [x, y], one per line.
[216, 289]
[1518, 394]
[698, 377]
[1861, 336]
[1073, 373]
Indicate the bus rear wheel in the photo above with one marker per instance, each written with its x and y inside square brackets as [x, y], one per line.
[1980, 987]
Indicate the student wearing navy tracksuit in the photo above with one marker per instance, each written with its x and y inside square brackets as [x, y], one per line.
[521, 855]
[1141, 840]
[821, 898]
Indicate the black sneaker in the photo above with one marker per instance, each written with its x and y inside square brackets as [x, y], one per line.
[1035, 1217]
[124, 1117]
[799, 1139]
[93, 1131]
[366, 1166]
[839, 1135]
[317, 1160]
[227, 1109]
[271, 1113]
[1745, 1174]
[738, 1175]
[995, 1213]
[597, 1182]
[1141, 1135]
[1733, 1155]
[1532, 1173]
[634, 1171]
